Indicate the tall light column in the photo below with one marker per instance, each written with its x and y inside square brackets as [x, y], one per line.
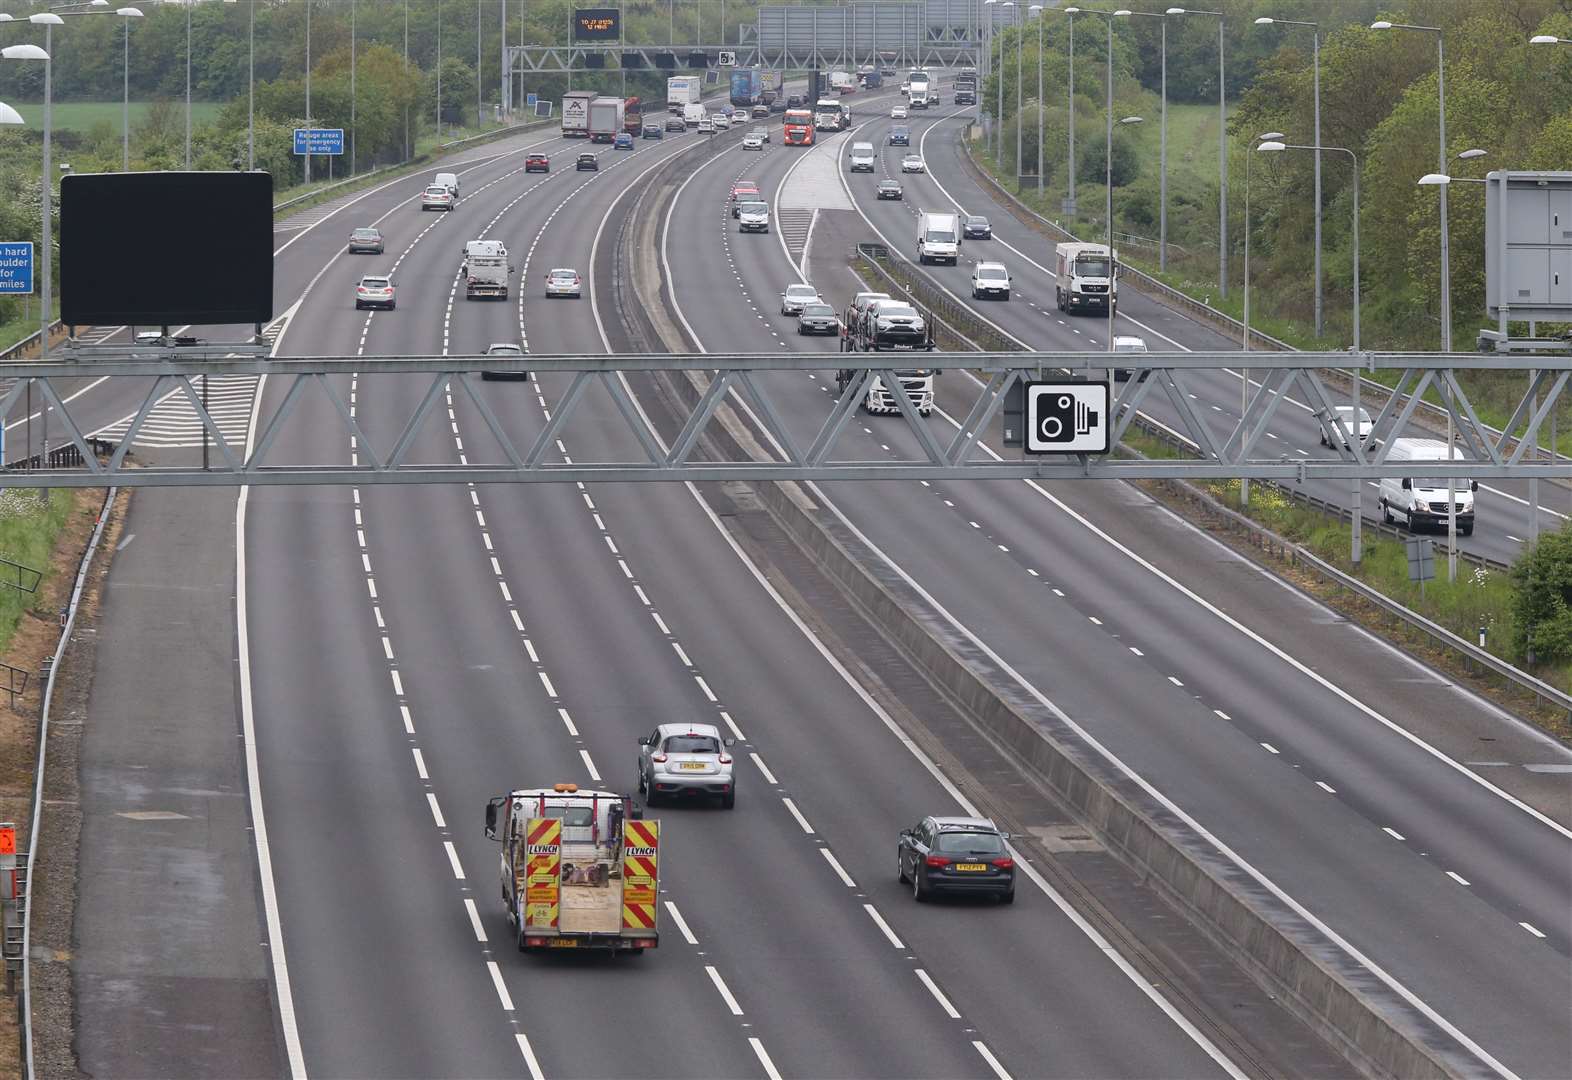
[1037, 10]
[352, 87]
[1244, 374]
[33, 52]
[1069, 208]
[126, 13]
[1315, 63]
[1222, 149]
[308, 92]
[251, 86]
[1446, 245]
[1020, 103]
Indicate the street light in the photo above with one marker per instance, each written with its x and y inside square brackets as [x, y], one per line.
[1037, 10]
[1356, 548]
[127, 13]
[1244, 375]
[9, 115]
[32, 52]
[1222, 150]
[1446, 245]
[1162, 146]
[1315, 54]
[1549, 39]
[1113, 268]
[1020, 47]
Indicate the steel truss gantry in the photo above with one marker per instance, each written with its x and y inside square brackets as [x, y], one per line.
[308, 393]
[556, 59]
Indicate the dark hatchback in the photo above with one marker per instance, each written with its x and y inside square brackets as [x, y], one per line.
[588, 162]
[888, 189]
[976, 227]
[956, 854]
[900, 135]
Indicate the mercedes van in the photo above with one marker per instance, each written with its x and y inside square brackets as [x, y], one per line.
[1421, 501]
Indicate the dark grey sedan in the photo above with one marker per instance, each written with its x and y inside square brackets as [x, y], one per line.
[956, 854]
[818, 319]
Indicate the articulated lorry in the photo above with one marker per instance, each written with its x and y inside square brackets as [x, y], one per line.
[575, 113]
[486, 269]
[579, 868]
[606, 116]
[1086, 276]
[747, 86]
[683, 90]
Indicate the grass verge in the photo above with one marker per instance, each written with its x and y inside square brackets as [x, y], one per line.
[28, 530]
[1478, 597]
[83, 116]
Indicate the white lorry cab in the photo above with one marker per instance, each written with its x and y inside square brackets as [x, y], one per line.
[1422, 501]
[579, 868]
[938, 238]
[1086, 277]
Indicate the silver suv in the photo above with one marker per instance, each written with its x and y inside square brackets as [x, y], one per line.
[686, 759]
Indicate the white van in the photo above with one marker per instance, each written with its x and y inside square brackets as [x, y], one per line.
[1422, 500]
[861, 157]
[938, 238]
[449, 181]
[692, 114]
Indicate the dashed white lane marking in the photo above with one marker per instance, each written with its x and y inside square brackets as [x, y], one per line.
[682, 924]
[474, 919]
[529, 1057]
[873, 913]
[436, 811]
[840, 871]
[798, 815]
[1174, 679]
[1095, 620]
[502, 990]
[758, 762]
[420, 763]
[1269, 748]
[723, 990]
[1137, 652]
[1324, 786]
[1393, 833]
[993, 1062]
[590, 765]
[1222, 714]
[458, 867]
[938, 995]
[764, 1059]
[1455, 876]
[1531, 929]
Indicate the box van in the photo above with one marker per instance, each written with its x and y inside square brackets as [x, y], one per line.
[692, 114]
[1422, 500]
[862, 157]
[938, 238]
[449, 181]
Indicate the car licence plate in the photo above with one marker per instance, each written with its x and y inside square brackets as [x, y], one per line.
[972, 867]
[696, 766]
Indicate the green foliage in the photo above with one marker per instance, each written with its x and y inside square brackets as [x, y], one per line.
[28, 527]
[1542, 606]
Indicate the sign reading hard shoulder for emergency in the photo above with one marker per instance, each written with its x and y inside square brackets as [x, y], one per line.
[1067, 417]
[16, 267]
[640, 873]
[543, 840]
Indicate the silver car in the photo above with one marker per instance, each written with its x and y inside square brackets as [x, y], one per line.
[686, 759]
[563, 282]
[504, 348]
[796, 297]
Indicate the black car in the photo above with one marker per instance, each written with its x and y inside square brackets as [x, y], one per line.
[888, 189]
[794, 101]
[956, 854]
[588, 161]
[900, 136]
[976, 228]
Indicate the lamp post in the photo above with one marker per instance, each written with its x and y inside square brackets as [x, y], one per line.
[308, 93]
[126, 13]
[1315, 63]
[188, 84]
[1020, 47]
[352, 87]
[1446, 246]
[1222, 150]
[1244, 345]
[32, 52]
[1356, 549]
[998, 139]
[1069, 206]
[251, 86]
[1108, 17]
[1162, 144]
[1037, 10]
[1549, 39]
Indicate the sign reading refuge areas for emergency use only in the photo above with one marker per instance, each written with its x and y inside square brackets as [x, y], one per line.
[1067, 417]
[323, 141]
[16, 267]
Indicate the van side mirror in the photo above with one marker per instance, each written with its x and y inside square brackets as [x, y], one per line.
[1407, 484]
[491, 815]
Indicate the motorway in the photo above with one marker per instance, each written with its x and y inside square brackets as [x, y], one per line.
[438, 645]
[1326, 797]
[406, 653]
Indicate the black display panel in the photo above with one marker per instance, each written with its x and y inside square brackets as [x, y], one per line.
[597, 24]
[166, 248]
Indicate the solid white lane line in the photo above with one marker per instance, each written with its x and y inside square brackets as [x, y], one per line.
[725, 993]
[682, 924]
[436, 811]
[798, 815]
[1393, 833]
[590, 765]
[993, 1062]
[758, 761]
[1455, 876]
[458, 867]
[835, 865]
[764, 1058]
[502, 990]
[873, 913]
[474, 919]
[529, 1057]
[1531, 929]
[938, 995]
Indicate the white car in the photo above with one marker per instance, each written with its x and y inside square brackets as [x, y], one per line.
[721, 121]
[436, 197]
[753, 142]
[796, 297]
[1129, 343]
[375, 292]
[912, 163]
[990, 279]
[706, 126]
[1345, 413]
[504, 348]
[563, 281]
[898, 112]
[686, 759]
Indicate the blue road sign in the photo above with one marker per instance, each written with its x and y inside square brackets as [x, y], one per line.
[530, 99]
[324, 141]
[16, 267]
